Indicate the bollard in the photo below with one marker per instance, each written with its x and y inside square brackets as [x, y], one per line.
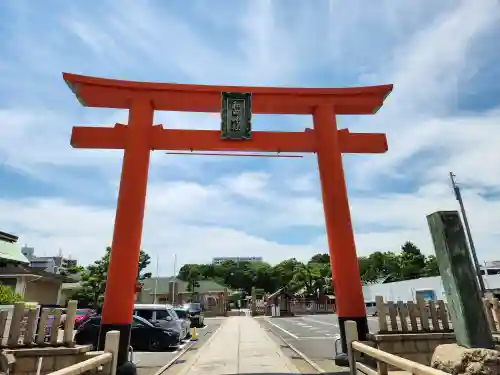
[194, 334]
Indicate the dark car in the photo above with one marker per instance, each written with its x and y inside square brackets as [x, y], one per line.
[195, 313]
[144, 335]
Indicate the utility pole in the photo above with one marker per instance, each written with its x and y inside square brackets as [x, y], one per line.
[174, 300]
[156, 279]
[458, 196]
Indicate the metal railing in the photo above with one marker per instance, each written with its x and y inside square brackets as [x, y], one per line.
[355, 347]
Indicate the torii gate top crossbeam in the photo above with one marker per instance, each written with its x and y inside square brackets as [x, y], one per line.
[112, 93]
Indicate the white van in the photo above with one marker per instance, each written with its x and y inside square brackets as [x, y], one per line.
[163, 316]
[371, 308]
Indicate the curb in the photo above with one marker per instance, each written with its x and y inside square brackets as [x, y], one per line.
[173, 360]
[297, 351]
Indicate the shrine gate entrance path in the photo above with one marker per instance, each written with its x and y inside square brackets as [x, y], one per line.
[140, 136]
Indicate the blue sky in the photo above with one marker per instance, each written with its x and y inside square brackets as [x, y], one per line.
[442, 115]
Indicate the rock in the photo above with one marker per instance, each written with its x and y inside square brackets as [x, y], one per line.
[457, 360]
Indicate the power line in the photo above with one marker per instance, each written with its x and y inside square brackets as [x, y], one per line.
[458, 197]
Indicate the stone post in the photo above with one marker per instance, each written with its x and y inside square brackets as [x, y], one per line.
[224, 302]
[254, 302]
[459, 280]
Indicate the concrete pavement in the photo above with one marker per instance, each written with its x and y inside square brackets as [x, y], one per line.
[149, 363]
[240, 346]
[313, 335]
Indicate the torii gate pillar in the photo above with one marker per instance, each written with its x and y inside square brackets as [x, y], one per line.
[342, 249]
[127, 232]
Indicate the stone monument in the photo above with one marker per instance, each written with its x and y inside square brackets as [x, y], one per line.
[473, 353]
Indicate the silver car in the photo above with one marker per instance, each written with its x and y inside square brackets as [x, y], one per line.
[168, 318]
[183, 316]
[162, 316]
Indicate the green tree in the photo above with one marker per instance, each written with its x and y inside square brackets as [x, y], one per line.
[187, 270]
[379, 265]
[73, 271]
[93, 278]
[8, 296]
[314, 278]
[431, 266]
[412, 261]
[193, 278]
[284, 272]
[367, 272]
[320, 258]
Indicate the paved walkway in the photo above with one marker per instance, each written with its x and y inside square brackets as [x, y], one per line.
[241, 346]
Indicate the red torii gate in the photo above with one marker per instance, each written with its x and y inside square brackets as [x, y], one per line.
[140, 136]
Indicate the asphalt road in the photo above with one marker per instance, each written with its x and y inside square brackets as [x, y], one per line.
[149, 362]
[313, 335]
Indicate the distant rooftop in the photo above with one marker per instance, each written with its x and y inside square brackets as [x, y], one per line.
[9, 249]
[491, 264]
[7, 237]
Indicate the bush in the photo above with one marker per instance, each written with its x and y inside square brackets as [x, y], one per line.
[8, 296]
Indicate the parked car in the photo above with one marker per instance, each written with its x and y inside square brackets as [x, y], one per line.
[82, 315]
[371, 308]
[183, 315]
[163, 315]
[144, 335]
[195, 314]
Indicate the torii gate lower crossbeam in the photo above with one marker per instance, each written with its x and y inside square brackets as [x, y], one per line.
[139, 137]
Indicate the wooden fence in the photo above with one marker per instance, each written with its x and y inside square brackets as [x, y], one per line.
[26, 325]
[300, 307]
[412, 317]
[297, 308]
[426, 316]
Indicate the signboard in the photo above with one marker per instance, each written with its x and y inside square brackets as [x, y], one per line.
[236, 116]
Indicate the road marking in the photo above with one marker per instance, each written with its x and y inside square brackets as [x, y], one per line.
[299, 353]
[282, 329]
[320, 322]
[180, 353]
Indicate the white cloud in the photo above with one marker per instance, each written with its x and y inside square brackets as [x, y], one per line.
[427, 74]
[193, 221]
[425, 48]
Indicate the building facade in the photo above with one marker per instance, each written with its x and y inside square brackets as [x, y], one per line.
[52, 264]
[220, 260]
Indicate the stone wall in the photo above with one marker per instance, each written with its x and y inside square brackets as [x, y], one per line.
[26, 359]
[417, 347]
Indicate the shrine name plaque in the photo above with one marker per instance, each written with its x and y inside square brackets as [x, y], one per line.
[236, 116]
